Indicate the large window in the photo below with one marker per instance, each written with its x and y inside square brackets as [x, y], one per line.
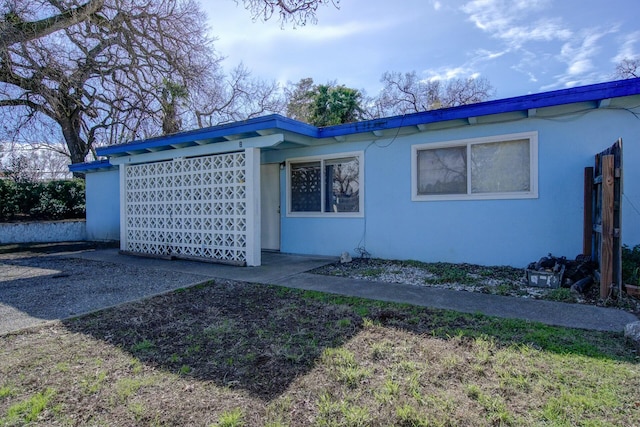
[329, 185]
[484, 168]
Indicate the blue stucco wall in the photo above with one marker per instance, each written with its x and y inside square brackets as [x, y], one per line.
[103, 205]
[489, 232]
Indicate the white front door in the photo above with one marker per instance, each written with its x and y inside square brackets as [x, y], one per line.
[270, 206]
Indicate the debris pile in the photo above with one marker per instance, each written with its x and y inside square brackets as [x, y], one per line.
[576, 274]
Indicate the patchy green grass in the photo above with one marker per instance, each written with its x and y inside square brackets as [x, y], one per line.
[561, 295]
[232, 418]
[237, 354]
[28, 410]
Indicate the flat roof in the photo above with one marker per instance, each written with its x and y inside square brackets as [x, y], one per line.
[596, 95]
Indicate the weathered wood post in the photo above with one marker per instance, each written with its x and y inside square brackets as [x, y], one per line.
[587, 229]
[608, 198]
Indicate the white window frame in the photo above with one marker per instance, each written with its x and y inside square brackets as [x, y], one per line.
[533, 168]
[322, 159]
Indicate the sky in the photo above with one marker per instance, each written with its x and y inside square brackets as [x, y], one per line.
[520, 46]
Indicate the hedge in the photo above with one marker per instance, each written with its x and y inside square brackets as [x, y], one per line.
[61, 199]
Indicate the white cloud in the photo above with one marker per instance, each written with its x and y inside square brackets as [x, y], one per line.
[509, 21]
[268, 35]
[487, 55]
[498, 15]
[542, 30]
[527, 30]
[580, 56]
[437, 5]
[449, 73]
[579, 59]
[627, 49]
[342, 31]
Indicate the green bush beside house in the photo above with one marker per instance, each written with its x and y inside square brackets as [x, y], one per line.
[631, 265]
[52, 200]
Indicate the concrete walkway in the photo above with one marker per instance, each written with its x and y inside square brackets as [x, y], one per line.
[129, 279]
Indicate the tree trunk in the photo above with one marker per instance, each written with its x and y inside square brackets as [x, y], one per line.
[78, 148]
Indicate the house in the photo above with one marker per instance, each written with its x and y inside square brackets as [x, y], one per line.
[493, 183]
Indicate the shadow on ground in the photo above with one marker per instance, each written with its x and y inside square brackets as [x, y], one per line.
[254, 337]
[260, 338]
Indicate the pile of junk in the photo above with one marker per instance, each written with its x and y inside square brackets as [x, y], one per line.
[554, 272]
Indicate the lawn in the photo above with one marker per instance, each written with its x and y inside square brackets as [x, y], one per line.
[235, 354]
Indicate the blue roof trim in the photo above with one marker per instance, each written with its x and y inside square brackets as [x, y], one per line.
[90, 166]
[252, 127]
[594, 92]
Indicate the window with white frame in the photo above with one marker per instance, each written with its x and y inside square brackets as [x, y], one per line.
[500, 167]
[327, 185]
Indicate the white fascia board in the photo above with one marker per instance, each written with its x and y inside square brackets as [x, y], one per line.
[123, 210]
[201, 150]
[253, 209]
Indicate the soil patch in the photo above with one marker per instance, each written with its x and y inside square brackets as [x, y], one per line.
[232, 353]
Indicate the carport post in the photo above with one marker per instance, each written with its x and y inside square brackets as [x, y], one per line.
[252, 177]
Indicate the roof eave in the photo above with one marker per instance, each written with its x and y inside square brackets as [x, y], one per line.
[98, 165]
[592, 93]
[231, 131]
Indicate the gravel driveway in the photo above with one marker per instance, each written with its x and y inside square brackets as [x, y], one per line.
[39, 287]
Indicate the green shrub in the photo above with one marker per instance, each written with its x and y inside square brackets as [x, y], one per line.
[27, 196]
[631, 265]
[61, 199]
[8, 206]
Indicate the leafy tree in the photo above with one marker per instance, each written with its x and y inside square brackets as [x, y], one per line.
[334, 105]
[407, 93]
[628, 69]
[170, 95]
[324, 105]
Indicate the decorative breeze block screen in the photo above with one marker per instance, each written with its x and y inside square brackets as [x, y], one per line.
[193, 207]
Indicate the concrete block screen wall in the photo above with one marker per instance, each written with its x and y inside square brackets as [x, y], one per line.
[200, 207]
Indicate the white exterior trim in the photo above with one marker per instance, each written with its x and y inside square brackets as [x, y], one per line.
[322, 214]
[201, 150]
[533, 168]
[123, 210]
[252, 168]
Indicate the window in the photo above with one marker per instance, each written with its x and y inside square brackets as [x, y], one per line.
[484, 168]
[325, 186]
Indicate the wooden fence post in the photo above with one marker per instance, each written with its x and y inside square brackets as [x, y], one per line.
[587, 230]
[606, 253]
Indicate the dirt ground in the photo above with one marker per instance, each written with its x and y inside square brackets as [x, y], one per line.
[266, 355]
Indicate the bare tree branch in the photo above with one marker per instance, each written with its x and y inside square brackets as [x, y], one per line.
[13, 29]
[628, 69]
[100, 72]
[298, 12]
[406, 93]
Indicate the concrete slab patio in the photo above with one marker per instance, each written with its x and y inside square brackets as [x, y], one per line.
[35, 288]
